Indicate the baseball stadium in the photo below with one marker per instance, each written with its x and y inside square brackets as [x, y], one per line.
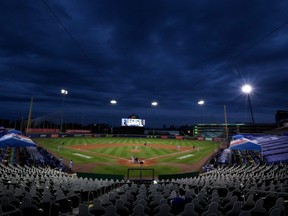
[118, 108]
[134, 171]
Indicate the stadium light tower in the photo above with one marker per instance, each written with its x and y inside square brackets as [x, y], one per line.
[201, 103]
[64, 93]
[154, 104]
[113, 103]
[247, 89]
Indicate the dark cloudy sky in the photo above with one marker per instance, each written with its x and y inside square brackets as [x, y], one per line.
[137, 51]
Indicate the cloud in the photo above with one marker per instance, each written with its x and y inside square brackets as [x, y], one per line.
[140, 51]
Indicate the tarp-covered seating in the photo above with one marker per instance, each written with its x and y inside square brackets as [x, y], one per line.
[239, 142]
[244, 151]
[14, 143]
[14, 131]
[16, 140]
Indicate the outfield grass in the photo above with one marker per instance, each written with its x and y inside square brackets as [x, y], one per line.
[105, 160]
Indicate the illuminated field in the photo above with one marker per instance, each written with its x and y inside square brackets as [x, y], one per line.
[112, 155]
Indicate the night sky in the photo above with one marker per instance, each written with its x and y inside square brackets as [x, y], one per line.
[140, 51]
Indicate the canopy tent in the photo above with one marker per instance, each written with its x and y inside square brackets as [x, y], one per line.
[239, 142]
[14, 131]
[16, 140]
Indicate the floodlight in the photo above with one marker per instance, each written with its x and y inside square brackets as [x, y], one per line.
[154, 103]
[113, 102]
[201, 102]
[64, 92]
[247, 89]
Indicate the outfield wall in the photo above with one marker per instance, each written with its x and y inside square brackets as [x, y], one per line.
[60, 135]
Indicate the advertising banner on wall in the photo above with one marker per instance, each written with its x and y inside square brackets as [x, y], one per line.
[78, 131]
[43, 130]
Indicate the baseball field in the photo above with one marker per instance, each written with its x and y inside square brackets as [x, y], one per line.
[114, 155]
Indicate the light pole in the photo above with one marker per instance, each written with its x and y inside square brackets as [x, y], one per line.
[201, 103]
[154, 104]
[247, 89]
[29, 116]
[63, 92]
[226, 127]
[112, 102]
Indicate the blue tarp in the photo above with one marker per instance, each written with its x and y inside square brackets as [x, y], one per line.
[14, 131]
[16, 140]
[239, 142]
[238, 136]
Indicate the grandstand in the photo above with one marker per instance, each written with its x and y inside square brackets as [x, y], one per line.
[218, 130]
[230, 190]
[275, 149]
[251, 182]
[256, 149]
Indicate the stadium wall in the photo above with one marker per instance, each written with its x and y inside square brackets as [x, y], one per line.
[54, 135]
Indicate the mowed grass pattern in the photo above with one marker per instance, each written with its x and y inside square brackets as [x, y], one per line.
[105, 158]
[127, 151]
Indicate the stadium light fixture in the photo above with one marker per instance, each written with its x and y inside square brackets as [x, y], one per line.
[201, 102]
[64, 92]
[113, 102]
[247, 89]
[154, 103]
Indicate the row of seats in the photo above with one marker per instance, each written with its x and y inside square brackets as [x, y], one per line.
[30, 156]
[227, 190]
[45, 190]
[235, 190]
[243, 157]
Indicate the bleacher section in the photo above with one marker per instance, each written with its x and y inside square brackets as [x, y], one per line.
[242, 157]
[30, 156]
[33, 182]
[50, 192]
[274, 149]
[231, 190]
